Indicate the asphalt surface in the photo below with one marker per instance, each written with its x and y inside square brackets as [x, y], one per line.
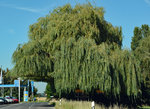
[40, 105]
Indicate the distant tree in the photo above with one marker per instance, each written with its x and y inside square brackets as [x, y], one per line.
[7, 79]
[145, 29]
[139, 33]
[136, 38]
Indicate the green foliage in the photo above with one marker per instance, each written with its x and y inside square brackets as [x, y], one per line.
[143, 54]
[37, 57]
[139, 33]
[88, 66]
[32, 61]
[50, 90]
[77, 48]
[141, 47]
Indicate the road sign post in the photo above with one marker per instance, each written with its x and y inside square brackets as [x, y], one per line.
[19, 89]
[28, 87]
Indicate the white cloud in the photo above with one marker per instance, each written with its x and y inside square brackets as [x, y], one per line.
[33, 10]
[147, 1]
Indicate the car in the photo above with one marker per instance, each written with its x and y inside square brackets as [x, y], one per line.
[3, 101]
[15, 100]
[9, 100]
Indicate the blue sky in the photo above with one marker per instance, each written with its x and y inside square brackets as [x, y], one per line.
[17, 15]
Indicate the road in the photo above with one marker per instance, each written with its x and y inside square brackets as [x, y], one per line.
[41, 105]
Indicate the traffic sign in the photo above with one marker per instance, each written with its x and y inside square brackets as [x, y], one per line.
[16, 83]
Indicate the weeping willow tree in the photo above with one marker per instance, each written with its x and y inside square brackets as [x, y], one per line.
[77, 48]
[88, 66]
[141, 47]
[142, 53]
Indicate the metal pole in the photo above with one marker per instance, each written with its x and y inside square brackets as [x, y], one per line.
[28, 88]
[11, 91]
[19, 90]
[32, 88]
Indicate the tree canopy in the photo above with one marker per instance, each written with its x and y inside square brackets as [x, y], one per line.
[77, 48]
[37, 57]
